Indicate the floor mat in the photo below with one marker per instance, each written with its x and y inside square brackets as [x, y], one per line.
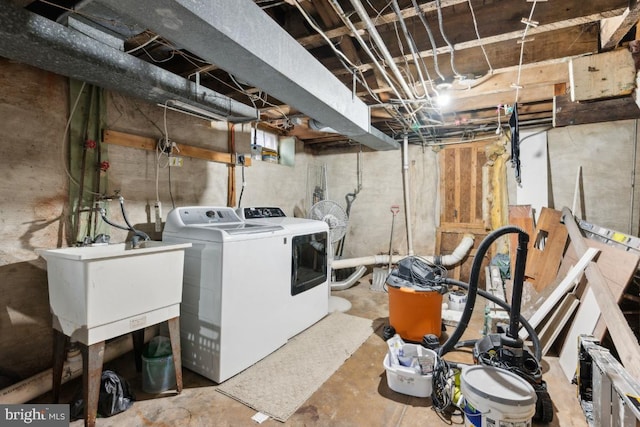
[280, 383]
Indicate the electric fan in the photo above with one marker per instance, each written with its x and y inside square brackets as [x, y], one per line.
[337, 220]
[335, 217]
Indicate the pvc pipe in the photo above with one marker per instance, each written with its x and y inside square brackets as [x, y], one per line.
[405, 184]
[349, 281]
[456, 256]
[41, 383]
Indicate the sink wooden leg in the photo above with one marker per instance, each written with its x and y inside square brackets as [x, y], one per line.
[60, 341]
[138, 345]
[92, 358]
[174, 335]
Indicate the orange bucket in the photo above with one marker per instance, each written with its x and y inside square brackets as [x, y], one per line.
[414, 313]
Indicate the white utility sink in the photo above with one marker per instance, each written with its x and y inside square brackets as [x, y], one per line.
[100, 292]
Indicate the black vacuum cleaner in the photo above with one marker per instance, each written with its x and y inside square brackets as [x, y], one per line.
[505, 350]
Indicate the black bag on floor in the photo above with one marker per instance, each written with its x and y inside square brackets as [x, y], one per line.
[115, 397]
[115, 394]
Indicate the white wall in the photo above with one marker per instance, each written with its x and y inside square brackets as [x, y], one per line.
[370, 223]
[605, 151]
[605, 154]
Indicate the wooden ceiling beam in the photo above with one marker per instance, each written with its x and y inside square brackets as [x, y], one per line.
[575, 113]
[495, 45]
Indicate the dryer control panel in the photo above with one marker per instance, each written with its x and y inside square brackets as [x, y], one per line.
[261, 212]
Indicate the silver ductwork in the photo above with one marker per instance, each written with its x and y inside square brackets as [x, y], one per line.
[42, 43]
[260, 53]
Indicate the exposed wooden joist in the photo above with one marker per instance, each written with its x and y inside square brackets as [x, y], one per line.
[567, 113]
[530, 77]
[516, 35]
[503, 52]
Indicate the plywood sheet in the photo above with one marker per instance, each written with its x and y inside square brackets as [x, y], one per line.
[584, 323]
[548, 245]
[557, 322]
[461, 185]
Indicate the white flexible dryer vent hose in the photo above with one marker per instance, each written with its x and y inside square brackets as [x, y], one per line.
[349, 281]
[446, 260]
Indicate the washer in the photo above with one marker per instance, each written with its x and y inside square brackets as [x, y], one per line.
[309, 263]
[236, 289]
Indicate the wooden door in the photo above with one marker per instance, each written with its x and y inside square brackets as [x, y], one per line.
[461, 186]
[463, 203]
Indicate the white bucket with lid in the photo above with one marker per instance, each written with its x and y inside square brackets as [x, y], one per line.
[496, 397]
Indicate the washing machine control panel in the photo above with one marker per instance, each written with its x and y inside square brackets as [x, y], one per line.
[208, 215]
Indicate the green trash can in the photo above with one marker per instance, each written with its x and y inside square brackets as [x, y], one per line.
[158, 369]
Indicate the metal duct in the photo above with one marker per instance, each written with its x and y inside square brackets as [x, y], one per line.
[237, 36]
[42, 43]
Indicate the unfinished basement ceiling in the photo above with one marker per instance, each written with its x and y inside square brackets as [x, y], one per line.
[392, 59]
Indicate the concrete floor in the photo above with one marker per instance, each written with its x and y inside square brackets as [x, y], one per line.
[356, 395]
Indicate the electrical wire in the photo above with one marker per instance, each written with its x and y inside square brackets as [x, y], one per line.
[522, 42]
[242, 189]
[162, 146]
[345, 19]
[413, 48]
[475, 25]
[344, 60]
[443, 383]
[444, 37]
[434, 49]
[143, 45]
[499, 359]
[159, 61]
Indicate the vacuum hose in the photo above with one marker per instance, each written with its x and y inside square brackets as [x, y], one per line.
[537, 349]
[523, 239]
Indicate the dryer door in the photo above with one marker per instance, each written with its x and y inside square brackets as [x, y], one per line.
[309, 259]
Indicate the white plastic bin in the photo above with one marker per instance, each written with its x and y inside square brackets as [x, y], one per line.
[406, 380]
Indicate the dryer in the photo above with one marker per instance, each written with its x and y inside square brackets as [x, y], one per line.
[236, 291]
[308, 246]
